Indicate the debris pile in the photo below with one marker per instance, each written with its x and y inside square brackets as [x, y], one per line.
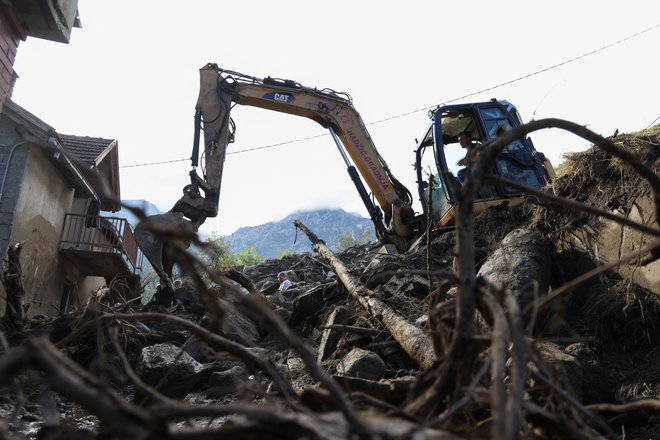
[366, 344]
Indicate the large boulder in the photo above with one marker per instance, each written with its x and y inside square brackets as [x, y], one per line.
[363, 364]
[521, 264]
[172, 366]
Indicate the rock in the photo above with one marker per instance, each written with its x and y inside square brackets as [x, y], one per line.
[414, 286]
[293, 292]
[190, 300]
[171, 333]
[363, 364]
[278, 298]
[597, 385]
[395, 357]
[269, 287]
[313, 302]
[383, 252]
[522, 261]
[310, 303]
[224, 383]
[563, 367]
[197, 349]
[330, 337]
[283, 313]
[236, 326]
[167, 361]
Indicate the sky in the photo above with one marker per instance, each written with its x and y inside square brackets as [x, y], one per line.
[131, 73]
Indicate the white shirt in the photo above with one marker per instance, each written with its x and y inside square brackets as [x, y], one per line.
[285, 285]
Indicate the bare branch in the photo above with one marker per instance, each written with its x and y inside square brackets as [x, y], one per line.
[217, 341]
[650, 404]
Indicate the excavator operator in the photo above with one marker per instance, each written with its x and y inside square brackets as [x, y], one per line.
[465, 139]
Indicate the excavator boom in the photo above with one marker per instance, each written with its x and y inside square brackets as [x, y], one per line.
[393, 215]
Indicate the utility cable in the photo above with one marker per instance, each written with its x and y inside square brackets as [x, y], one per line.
[656, 120]
[401, 115]
[520, 78]
[153, 163]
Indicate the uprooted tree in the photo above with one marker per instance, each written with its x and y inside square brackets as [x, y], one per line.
[482, 365]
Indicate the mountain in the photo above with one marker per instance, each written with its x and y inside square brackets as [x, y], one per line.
[148, 207]
[271, 239]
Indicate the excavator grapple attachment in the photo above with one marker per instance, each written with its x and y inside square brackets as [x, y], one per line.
[158, 235]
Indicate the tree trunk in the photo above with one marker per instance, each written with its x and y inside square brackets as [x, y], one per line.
[415, 341]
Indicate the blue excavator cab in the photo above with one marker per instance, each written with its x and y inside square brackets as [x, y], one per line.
[438, 154]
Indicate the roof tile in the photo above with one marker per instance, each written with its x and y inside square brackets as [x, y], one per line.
[85, 148]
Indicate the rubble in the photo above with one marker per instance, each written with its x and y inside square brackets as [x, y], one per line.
[364, 342]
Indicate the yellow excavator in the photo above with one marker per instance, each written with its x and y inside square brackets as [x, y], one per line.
[394, 218]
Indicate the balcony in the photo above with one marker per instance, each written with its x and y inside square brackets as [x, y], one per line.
[100, 246]
[49, 20]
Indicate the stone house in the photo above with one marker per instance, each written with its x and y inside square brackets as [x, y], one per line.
[52, 192]
[53, 187]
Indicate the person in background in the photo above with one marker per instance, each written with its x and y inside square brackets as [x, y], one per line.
[285, 283]
[165, 296]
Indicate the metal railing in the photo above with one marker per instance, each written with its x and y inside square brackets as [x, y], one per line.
[102, 235]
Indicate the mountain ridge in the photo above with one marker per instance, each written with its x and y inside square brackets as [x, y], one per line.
[273, 238]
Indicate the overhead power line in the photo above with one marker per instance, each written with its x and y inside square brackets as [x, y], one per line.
[656, 120]
[153, 163]
[401, 115]
[520, 78]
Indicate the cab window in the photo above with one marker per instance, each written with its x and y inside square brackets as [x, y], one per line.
[494, 121]
[428, 160]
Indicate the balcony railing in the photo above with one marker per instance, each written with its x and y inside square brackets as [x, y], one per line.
[106, 235]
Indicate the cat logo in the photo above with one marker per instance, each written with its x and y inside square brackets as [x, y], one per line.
[284, 98]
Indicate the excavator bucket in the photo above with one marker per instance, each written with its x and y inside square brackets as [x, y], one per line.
[155, 235]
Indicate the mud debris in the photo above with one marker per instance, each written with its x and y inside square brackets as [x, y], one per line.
[239, 369]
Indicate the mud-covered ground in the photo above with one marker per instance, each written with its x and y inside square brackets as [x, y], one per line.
[604, 339]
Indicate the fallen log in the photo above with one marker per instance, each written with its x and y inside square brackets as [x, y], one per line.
[415, 341]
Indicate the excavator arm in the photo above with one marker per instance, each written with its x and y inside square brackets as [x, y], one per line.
[220, 89]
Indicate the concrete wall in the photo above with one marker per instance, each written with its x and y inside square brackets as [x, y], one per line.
[43, 201]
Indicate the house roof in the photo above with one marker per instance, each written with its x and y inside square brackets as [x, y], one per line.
[88, 149]
[100, 155]
[96, 158]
